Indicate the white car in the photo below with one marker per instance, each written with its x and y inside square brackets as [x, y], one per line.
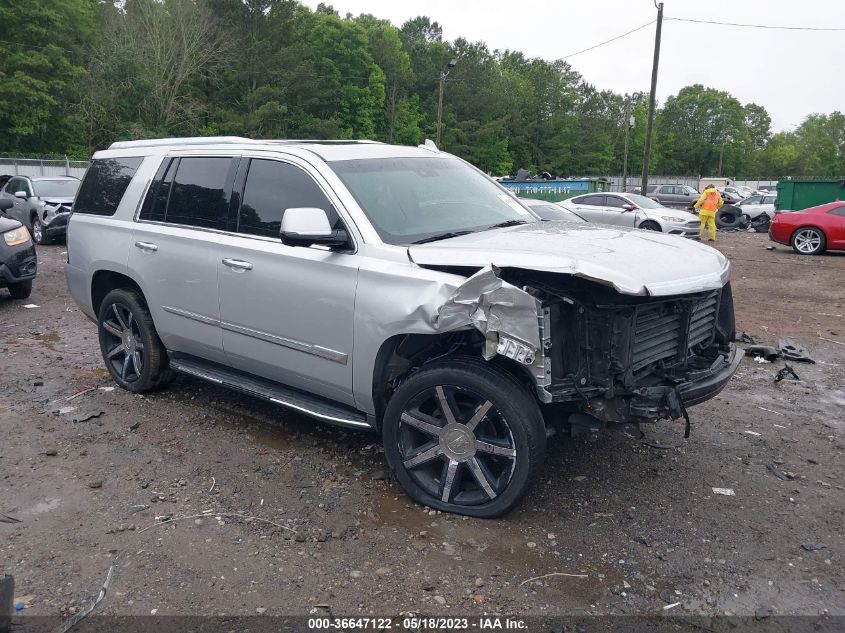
[739, 190]
[753, 206]
[632, 210]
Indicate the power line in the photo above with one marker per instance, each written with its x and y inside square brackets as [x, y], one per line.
[760, 26]
[613, 39]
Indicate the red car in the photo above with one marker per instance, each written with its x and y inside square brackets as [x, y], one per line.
[813, 230]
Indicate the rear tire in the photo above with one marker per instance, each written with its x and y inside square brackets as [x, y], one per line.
[463, 436]
[21, 290]
[808, 240]
[132, 351]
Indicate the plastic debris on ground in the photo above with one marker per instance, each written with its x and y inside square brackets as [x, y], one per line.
[728, 492]
[765, 351]
[793, 351]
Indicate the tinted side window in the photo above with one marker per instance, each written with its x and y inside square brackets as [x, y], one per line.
[104, 184]
[769, 199]
[271, 187]
[592, 201]
[613, 201]
[840, 211]
[155, 204]
[198, 193]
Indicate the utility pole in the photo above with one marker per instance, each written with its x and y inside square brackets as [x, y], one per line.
[443, 75]
[652, 97]
[628, 123]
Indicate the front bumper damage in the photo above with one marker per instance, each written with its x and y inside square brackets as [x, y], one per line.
[592, 351]
[55, 219]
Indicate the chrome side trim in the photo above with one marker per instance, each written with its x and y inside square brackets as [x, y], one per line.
[198, 374]
[323, 416]
[307, 348]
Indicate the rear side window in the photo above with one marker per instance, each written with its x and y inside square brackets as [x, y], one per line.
[104, 184]
[840, 211]
[198, 193]
[273, 186]
[190, 191]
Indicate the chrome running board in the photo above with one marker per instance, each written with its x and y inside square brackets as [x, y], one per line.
[288, 397]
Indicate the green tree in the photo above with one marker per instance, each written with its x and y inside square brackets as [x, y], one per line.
[42, 57]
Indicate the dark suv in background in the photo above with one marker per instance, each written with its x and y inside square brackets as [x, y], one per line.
[678, 196]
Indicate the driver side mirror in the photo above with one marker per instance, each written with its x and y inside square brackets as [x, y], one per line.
[305, 226]
[21, 194]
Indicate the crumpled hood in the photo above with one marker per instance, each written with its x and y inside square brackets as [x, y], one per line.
[52, 201]
[634, 262]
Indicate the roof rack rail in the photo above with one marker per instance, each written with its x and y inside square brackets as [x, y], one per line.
[190, 140]
[224, 140]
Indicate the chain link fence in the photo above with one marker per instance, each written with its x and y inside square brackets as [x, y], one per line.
[42, 167]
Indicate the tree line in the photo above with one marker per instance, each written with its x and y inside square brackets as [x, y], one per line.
[76, 75]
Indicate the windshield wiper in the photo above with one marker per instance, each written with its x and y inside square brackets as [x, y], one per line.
[441, 236]
[502, 225]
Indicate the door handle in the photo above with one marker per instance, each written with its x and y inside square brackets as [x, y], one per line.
[237, 264]
[146, 247]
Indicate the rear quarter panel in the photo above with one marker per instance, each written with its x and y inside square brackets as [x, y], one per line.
[96, 242]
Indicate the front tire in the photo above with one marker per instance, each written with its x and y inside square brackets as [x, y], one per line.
[39, 232]
[132, 351]
[21, 290]
[808, 240]
[650, 225]
[463, 436]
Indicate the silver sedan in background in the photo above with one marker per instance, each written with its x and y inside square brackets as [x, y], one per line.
[634, 211]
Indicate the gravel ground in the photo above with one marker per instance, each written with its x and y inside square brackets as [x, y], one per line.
[278, 514]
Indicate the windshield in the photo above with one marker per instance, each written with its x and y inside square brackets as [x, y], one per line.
[551, 212]
[642, 202]
[412, 199]
[55, 188]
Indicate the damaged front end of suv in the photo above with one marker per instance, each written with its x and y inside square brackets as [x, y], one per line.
[600, 354]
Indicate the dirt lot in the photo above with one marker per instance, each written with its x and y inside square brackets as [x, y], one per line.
[638, 527]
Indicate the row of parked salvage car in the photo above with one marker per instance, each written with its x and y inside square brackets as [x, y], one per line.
[810, 231]
[32, 211]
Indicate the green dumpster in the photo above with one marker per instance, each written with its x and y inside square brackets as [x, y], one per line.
[795, 195]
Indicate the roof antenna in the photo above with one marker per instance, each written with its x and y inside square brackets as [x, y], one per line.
[429, 145]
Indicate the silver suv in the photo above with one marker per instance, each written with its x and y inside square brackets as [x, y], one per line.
[396, 289]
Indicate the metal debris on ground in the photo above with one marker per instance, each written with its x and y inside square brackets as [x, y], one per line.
[79, 393]
[85, 416]
[728, 492]
[30, 306]
[68, 624]
[793, 351]
[777, 472]
[785, 371]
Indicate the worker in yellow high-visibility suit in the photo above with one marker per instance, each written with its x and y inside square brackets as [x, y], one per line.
[707, 205]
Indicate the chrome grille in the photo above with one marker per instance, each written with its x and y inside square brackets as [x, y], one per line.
[657, 336]
[659, 330]
[703, 321]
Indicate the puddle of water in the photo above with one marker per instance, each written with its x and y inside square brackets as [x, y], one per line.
[496, 543]
[48, 340]
[273, 437]
[50, 503]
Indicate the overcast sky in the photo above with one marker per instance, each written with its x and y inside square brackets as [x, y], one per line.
[790, 73]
